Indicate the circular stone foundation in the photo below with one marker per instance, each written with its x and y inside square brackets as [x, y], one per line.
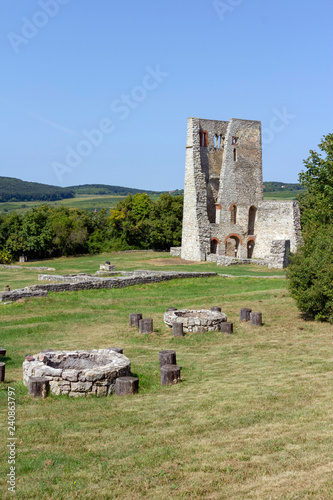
[198, 321]
[78, 373]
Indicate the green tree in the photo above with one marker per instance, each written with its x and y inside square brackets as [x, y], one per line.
[316, 203]
[311, 271]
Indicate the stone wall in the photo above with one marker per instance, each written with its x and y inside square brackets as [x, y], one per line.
[277, 220]
[175, 251]
[136, 278]
[279, 254]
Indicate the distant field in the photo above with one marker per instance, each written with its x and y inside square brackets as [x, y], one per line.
[86, 202]
[281, 195]
[93, 201]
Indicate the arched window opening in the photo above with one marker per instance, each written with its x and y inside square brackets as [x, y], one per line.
[216, 141]
[250, 248]
[233, 214]
[252, 218]
[213, 245]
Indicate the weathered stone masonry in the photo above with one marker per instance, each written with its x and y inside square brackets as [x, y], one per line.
[224, 211]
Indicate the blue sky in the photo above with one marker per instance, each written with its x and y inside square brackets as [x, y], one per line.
[100, 91]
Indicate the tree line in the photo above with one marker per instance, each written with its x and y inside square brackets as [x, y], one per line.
[136, 222]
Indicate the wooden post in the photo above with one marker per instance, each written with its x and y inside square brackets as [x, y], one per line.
[170, 374]
[134, 319]
[127, 385]
[216, 309]
[177, 330]
[2, 372]
[2, 351]
[244, 314]
[169, 309]
[7, 288]
[146, 325]
[38, 387]
[227, 327]
[116, 349]
[256, 319]
[167, 357]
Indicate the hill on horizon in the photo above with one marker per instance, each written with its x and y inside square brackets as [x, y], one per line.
[16, 190]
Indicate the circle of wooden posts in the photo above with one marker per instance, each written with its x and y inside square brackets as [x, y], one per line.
[2, 351]
[38, 387]
[170, 374]
[134, 319]
[171, 309]
[255, 319]
[167, 357]
[146, 325]
[126, 386]
[216, 309]
[177, 330]
[2, 372]
[227, 327]
[244, 314]
[116, 349]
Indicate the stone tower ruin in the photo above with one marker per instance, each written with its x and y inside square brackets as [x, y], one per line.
[224, 211]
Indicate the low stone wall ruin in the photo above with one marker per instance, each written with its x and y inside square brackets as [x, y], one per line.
[95, 283]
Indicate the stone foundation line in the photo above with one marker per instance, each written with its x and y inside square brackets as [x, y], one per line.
[92, 282]
[30, 268]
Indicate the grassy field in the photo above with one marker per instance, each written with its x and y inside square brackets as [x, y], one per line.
[251, 419]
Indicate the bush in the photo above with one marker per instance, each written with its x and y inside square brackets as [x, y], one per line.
[311, 275]
[5, 257]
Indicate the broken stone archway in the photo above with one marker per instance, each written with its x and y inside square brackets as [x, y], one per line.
[232, 244]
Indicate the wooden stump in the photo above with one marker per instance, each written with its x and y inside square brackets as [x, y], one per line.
[116, 349]
[2, 351]
[146, 325]
[170, 374]
[127, 385]
[227, 327]
[134, 319]
[216, 309]
[2, 372]
[167, 357]
[7, 288]
[171, 309]
[38, 387]
[244, 314]
[256, 319]
[177, 330]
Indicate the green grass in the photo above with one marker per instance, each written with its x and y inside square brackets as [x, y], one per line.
[251, 417]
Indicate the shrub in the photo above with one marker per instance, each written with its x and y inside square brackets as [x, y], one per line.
[5, 257]
[311, 275]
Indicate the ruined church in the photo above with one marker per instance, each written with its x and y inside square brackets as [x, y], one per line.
[225, 215]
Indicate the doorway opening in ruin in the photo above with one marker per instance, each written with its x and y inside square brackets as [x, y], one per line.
[250, 248]
[232, 246]
[214, 243]
[252, 218]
